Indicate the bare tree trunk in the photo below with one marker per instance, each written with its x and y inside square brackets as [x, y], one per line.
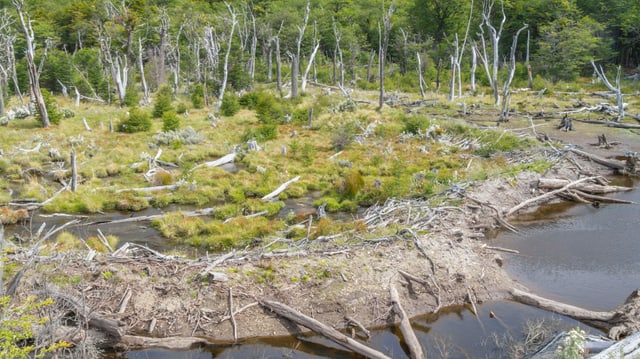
[506, 94]
[146, 98]
[254, 44]
[452, 80]
[382, 48]
[295, 58]
[309, 66]
[438, 75]
[294, 75]
[371, 57]
[529, 74]
[278, 66]
[494, 39]
[474, 65]
[34, 78]
[616, 90]
[74, 171]
[270, 64]
[234, 22]
[1, 109]
[162, 50]
[420, 77]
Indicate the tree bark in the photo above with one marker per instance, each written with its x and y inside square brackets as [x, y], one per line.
[326, 331]
[234, 22]
[34, 77]
[409, 335]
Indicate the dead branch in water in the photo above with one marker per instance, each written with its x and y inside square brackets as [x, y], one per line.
[415, 349]
[324, 330]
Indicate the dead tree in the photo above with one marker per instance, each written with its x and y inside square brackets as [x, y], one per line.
[474, 65]
[309, 66]
[506, 94]
[212, 49]
[616, 90]
[383, 44]
[529, 72]
[34, 77]
[566, 124]
[456, 59]
[420, 77]
[163, 32]
[295, 58]
[372, 56]
[491, 69]
[338, 64]
[6, 39]
[278, 60]
[225, 69]
[251, 65]
[146, 97]
[117, 63]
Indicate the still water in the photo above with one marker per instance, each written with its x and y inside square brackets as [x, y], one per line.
[579, 254]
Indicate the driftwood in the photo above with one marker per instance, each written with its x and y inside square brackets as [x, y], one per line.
[280, 189]
[613, 164]
[219, 162]
[415, 349]
[548, 183]
[545, 196]
[324, 330]
[200, 212]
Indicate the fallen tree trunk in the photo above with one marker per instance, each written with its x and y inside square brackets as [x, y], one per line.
[545, 196]
[280, 189]
[219, 162]
[415, 349]
[128, 342]
[550, 183]
[613, 164]
[200, 212]
[324, 330]
[561, 308]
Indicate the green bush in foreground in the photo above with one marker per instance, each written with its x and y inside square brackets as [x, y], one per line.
[138, 121]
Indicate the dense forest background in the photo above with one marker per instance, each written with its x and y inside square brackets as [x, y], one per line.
[123, 49]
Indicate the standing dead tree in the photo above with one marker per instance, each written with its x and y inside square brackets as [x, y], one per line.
[6, 39]
[338, 64]
[212, 49]
[295, 58]
[506, 94]
[146, 98]
[34, 75]
[616, 90]
[491, 69]
[383, 43]
[225, 69]
[456, 59]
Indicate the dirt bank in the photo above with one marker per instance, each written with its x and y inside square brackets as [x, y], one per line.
[442, 242]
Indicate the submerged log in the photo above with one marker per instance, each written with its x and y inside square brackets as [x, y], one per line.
[415, 349]
[324, 330]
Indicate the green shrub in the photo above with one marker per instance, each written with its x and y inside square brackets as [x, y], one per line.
[197, 97]
[343, 136]
[250, 100]
[230, 105]
[269, 110]
[182, 108]
[170, 121]
[262, 133]
[52, 108]
[163, 101]
[138, 121]
[353, 183]
[415, 125]
[131, 97]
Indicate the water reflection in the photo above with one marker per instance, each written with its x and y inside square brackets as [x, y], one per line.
[585, 256]
[454, 333]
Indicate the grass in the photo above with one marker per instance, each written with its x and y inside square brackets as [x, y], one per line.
[402, 155]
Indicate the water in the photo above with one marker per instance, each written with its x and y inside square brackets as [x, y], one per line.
[456, 332]
[585, 256]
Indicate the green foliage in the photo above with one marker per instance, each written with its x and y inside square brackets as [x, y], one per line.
[131, 97]
[567, 45]
[353, 183]
[197, 96]
[343, 136]
[269, 110]
[17, 328]
[52, 109]
[170, 121]
[415, 124]
[572, 347]
[138, 121]
[250, 100]
[230, 105]
[163, 101]
[261, 133]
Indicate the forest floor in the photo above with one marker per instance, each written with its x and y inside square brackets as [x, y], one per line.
[157, 296]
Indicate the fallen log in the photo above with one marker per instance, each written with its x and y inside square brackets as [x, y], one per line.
[324, 330]
[545, 196]
[200, 212]
[219, 162]
[592, 188]
[613, 164]
[128, 342]
[280, 189]
[415, 349]
[561, 308]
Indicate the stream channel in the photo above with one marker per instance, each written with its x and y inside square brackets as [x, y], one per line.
[578, 254]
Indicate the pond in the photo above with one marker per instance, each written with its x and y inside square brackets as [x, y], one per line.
[578, 254]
